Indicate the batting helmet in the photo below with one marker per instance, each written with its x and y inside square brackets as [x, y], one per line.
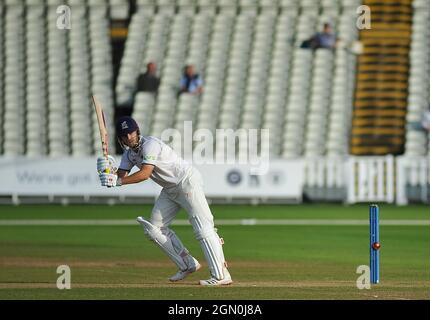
[124, 126]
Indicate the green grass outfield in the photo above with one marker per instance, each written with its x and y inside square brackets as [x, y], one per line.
[266, 261]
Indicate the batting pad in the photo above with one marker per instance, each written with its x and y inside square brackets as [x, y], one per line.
[169, 242]
[211, 245]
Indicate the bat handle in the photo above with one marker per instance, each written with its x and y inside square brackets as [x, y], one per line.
[107, 170]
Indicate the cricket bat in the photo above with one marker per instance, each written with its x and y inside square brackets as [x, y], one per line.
[102, 127]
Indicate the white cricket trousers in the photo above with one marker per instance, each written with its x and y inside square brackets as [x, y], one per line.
[189, 195]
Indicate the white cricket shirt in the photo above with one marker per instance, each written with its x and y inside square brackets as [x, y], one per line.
[169, 168]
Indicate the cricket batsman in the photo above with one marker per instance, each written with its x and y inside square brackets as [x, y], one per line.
[182, 186]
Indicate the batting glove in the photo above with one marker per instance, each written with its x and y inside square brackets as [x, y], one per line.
[109, 180]
[106, 165]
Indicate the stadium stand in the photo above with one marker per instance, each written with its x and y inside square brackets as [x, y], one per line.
[248, 53]
[419, 79]
[48, 75]
[255, 74]
[323, 106]
[14, 91]
[382, 77]
[2, 78]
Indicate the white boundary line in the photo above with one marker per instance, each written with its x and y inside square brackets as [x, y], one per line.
[230, 222]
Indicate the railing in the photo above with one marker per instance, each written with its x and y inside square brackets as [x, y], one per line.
[370, 179]
[412, 179]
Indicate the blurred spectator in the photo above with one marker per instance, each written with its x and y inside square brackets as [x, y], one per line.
[191, 82]
[423, 125]
[148, 81]
[325, 39]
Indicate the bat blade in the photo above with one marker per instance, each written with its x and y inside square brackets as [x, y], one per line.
[102, 126]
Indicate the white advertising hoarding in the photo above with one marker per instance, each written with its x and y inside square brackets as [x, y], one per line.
[284, 179]
[61, 177]
[78, 177]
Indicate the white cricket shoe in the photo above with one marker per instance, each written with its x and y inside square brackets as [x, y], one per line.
[215, 282]
[181, 274]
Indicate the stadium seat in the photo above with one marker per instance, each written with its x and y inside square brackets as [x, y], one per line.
[419, 78]
[14, 80]
[421, 4]
[119, 9]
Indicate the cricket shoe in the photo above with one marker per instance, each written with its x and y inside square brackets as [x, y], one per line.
[181, 274]
[215, 282]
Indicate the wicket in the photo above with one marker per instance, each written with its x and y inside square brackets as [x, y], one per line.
[374, 244]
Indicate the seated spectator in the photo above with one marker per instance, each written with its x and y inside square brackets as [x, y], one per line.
[191, 82]
[148, 81]
[325, 39]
